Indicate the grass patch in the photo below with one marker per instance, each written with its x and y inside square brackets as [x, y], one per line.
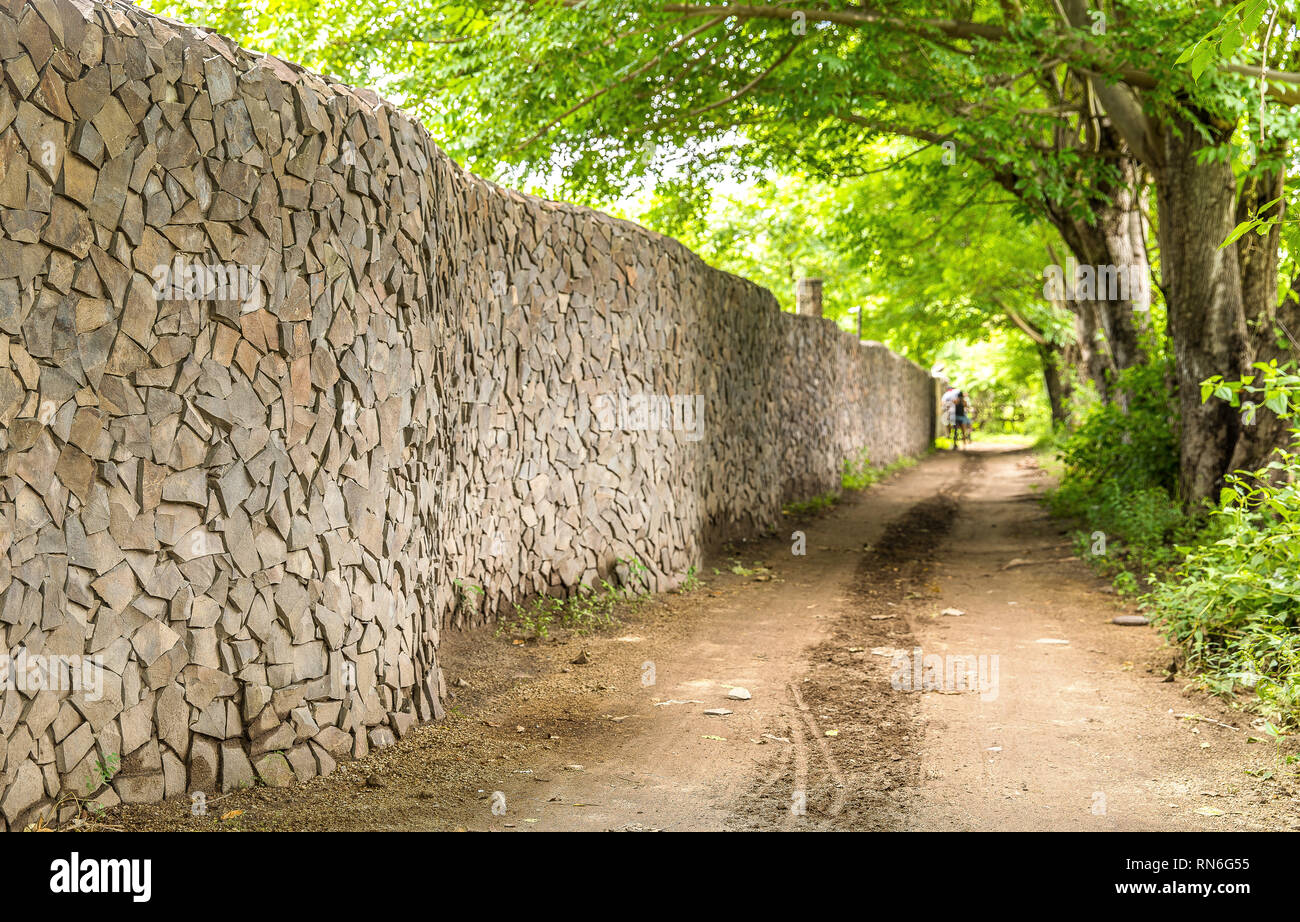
[811, 507]
[588, 609]
[1133, 537]
[858, 473]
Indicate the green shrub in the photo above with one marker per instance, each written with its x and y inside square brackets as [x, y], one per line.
[1135, 533]
[859, 473]
[1234, 602]
[587, 609]
[1133, 445]
[1120, 477]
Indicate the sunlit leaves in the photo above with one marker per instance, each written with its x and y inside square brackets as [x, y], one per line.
[1224, 41]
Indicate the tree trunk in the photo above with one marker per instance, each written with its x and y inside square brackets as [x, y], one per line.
[1094, 359]
[1197, 202]
[1109, 323]
[1057, 383]
[1118, 241]
[1270, 324]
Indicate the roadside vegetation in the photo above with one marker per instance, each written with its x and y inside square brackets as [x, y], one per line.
[858, 474]
[589, 609]
[1220, 580]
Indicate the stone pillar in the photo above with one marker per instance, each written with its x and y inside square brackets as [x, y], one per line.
[808, 297]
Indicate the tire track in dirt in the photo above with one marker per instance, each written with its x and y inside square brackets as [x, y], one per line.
[859, 777]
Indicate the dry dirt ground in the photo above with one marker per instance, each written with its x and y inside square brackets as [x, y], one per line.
[1086, 732]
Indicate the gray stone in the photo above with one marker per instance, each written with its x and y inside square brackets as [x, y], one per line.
[236, 770]
[325, 762]
[140, 789]
[25, 791]
[274, 770]
[152, 640]
[137, 725]
[203, 764]
[302, 761]
[173, 716]
[174, 776]
[401, 723]
[304, 724]
[74, 748]
[336, 742]
[282, 737]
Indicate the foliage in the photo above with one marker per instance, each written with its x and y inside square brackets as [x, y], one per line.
[810, 507]
[952, 285]
[1128, 533]
[1130, 443]
[1120, 477]
[859, 473]
[1223, 42]
[771, 232]
[586, 610]
[1234, 603]
[591, 99]
[103, 772]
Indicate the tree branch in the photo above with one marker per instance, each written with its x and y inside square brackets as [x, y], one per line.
[582, 103]
[1028, 328]
[785, 56]
[956, 28]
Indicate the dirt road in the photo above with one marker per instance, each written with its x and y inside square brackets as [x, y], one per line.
[857, 716]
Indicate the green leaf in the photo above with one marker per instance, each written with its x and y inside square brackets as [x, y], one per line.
[1238, 231]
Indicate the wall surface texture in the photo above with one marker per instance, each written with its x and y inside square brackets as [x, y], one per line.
[276, 375]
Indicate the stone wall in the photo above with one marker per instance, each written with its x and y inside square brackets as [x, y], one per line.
[276, 377]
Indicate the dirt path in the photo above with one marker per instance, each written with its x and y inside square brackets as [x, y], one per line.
[1077, 735]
